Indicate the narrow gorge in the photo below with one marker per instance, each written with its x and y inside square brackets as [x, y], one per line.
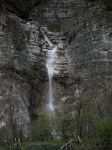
[55, 75]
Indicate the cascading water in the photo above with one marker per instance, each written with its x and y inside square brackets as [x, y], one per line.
[50, 67]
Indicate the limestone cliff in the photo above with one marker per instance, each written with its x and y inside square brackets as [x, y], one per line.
[22, 67]
[83, 67]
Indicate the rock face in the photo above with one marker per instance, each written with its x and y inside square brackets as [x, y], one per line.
[83, 67]
[54, 13]
[22, 8]
[22, 67]
[90, 63]
[58, 9]
[86, 85]
[89, 44]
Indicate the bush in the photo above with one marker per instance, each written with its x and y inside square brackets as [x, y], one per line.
[103, 131]
[41, 128]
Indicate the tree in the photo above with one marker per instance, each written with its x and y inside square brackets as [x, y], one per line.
[103, 133]
[41, 128]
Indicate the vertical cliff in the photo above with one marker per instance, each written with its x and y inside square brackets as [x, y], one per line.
[82, 31]
[22, 69]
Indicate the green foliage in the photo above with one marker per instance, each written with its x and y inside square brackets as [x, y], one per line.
[4, 145]
[103, 129]
[102, 134]
[41, 128]
[64, 124]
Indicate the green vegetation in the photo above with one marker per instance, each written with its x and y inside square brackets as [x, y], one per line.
[41, 128]
[98, 132]
[103, 131]
[52, 142]
[24, 145]
[4, 145]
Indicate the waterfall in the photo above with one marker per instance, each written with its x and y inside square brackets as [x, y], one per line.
[44, 32]
[50, 67]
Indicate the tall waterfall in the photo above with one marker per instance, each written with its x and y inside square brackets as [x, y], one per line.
[50, 67]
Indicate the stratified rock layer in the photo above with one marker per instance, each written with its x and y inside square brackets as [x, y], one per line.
[83, 67]
[22, 66]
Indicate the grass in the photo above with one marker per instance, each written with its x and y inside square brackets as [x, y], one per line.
[5, 145]
[51, 142]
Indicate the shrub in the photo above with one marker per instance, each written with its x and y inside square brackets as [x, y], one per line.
[41, 128]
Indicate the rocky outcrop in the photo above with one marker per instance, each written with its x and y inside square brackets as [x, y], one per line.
[22, 67]
[90, 66]
[89, 43]
[23, 56]
[21, 8]
[54, 13]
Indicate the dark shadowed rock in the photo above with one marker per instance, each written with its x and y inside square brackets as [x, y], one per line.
[20, 7]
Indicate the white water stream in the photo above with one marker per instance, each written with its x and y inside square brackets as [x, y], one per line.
[50, 67]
